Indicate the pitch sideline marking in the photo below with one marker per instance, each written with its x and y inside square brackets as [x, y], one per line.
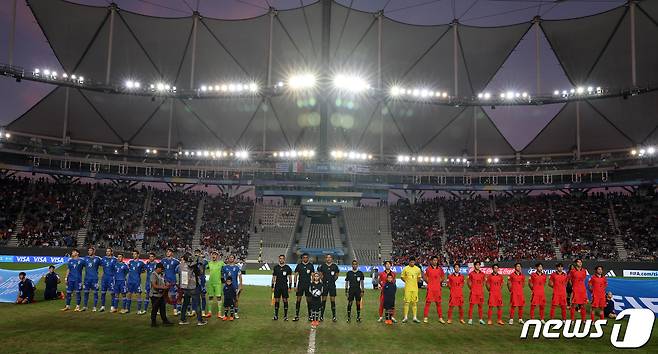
[311, 342]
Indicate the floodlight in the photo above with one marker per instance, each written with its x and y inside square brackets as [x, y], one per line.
[302, 81]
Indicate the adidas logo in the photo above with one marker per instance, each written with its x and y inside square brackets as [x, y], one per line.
[265, 267]
[610, 273]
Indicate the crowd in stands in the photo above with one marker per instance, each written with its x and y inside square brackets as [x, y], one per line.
[638, 224]
[53, 213]
[116, 215]
[12, 192]
[582, 226]
[525, 227]
[171, 220]
[225, 225]
[470, 232]
[415, 231]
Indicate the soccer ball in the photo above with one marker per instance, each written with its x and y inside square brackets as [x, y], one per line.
[316, 292]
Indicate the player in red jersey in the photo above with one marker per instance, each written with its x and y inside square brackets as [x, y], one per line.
[597, 285]
[456, 285]
[537, 283]
[515, 283]
[476, 297]
[558, 281]
[579, 298]
[495, 287]
[382, 282]
[433, 276]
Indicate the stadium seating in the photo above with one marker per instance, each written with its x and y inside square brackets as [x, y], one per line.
[638, 224]
[416, 231]
[53, 213]
[366, 228]
[273, 229]
[171, 219]
[116, 216]
[226, 223]
[12, 192]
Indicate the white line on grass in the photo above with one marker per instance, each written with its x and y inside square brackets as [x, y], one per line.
[311, 342]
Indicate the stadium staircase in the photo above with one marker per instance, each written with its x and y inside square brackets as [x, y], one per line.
[82, 233]
[369, 234]
[558, 251]
[196, 240]
[140, 231]
[614, 224]
[13, 239]
[444, 236]
[274, 235]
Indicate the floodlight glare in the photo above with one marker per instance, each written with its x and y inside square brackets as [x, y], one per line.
[302, 81]
[253, 87]
[350, 83]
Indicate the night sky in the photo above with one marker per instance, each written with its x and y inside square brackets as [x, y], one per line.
[518, 124]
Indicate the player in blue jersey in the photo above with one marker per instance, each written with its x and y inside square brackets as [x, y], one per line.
[150, 268]
[233, 271]
[107, 281]
[135, 270]
[119, 287]
[203, 263]
[74, 279]
[171, 270]
[91, 263]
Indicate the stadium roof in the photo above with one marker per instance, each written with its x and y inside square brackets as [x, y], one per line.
[593, 49]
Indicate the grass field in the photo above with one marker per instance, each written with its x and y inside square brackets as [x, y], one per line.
[42, 328]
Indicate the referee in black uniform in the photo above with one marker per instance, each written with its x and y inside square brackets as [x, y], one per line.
[302, 281]
[329, 272]
[353, 290]
[281, 282]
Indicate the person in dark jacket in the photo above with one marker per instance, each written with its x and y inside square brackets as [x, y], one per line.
[609, 310]
[25, 289]
[389, 298]
[51, 280]
[229, 299]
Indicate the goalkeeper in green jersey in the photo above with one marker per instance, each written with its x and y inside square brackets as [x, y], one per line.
[214, 284]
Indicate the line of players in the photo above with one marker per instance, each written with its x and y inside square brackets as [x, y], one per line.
[476, 280]
[123, 281]
[305, 286]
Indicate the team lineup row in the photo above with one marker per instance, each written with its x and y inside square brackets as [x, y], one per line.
[185, 281]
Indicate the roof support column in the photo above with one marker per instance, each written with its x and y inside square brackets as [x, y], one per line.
[475, 135]
[325, 63]
[110, 40]
[171, 118]
[455, 56]
[65, 126]
[633, 50]
[12, 33]
[195, 26]
[578, 130]
[536, 20]
[379, 107]
[270, 38]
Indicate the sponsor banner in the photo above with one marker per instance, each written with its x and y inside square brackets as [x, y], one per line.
[9, 281]
[636, 294]
[33, 259]
[636, 273]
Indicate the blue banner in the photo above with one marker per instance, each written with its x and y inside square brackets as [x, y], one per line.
[9, 281]
[33, 259]
[634, 294]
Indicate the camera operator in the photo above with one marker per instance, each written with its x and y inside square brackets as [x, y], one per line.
[188, 280]
[158, 289]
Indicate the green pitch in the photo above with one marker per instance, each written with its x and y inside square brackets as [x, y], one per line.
[43, 328]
